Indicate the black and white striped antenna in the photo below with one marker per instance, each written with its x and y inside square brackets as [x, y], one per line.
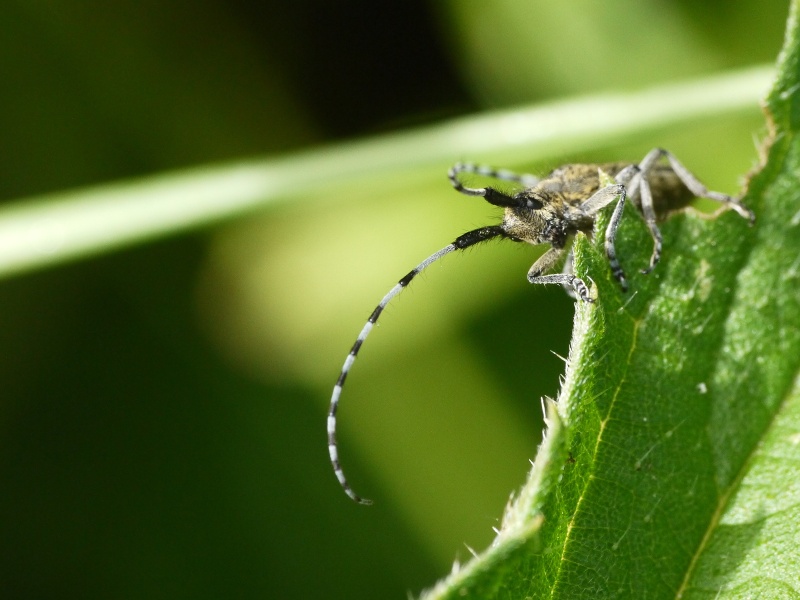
[466, 240]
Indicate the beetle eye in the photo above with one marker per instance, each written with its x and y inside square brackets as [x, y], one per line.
[529, 201]
[534, 204]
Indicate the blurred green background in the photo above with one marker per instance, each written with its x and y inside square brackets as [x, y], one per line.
[162, 428]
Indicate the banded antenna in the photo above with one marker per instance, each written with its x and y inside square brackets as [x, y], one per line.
[463, 241]
[491, 195]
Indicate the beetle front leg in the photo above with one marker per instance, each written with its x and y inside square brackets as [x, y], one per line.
[546, 262]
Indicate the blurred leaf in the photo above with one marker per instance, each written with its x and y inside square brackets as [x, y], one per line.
[533, 52]
[668, 467]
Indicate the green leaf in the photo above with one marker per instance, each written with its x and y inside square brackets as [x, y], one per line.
[669, 466]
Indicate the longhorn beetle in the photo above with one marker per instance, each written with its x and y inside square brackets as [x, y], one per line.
[551, 211]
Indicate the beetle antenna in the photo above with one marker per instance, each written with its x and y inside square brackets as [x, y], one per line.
[463, 241]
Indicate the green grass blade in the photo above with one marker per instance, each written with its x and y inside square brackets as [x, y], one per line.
[51, 229]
